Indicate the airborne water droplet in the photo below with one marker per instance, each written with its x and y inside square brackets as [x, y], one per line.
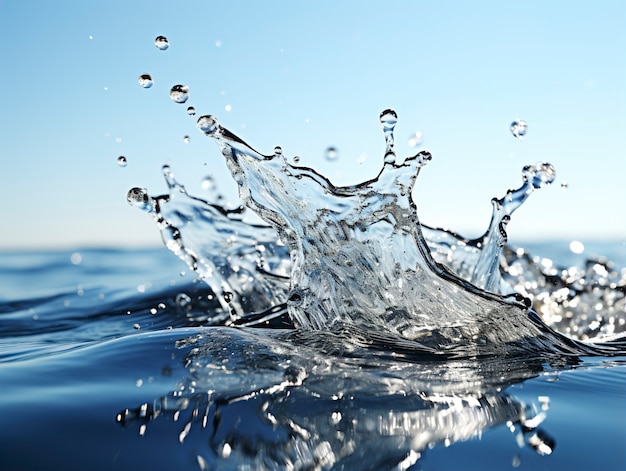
[415, 139]
[191, 111]
[183, 299]
[388, 120]
[331, 153]
[207, 124]
[122, 161]
[162, 43]
[278, 151]
[519, 128]
[207, 183]
[186, 139]
[145, 80]
[138, 197]
[179, 93]
[539, 175]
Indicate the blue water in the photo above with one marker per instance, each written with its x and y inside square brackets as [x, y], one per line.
[102, 368]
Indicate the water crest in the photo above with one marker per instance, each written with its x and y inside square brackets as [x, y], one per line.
[356, 259]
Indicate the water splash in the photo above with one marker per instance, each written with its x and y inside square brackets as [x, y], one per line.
[356, 259]
[243, 263]
[487, 271]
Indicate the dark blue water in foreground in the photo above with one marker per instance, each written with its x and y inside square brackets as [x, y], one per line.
[104, 365]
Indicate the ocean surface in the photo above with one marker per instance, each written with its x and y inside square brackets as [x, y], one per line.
[109, 360]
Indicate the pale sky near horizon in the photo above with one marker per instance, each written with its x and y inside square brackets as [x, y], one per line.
[308, 75]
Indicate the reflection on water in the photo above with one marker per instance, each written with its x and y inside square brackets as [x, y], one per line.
[259, 402]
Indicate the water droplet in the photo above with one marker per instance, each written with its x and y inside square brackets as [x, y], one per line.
[388, 120]
[179, 93]
[207, 124]
[145, 80]
[228, 296]
[415, 139]
[278, 151]
[207, 183]
[136, 326]
[539, 175]
[424, 157]
[390, 157]
[564, 184]
[186, 139]
[191, 111]
[519, 128]
[228, 108]
[137, 197]
[296, 159]
[576, 246]
[182, 300]
[122, 161]
[162, 43]
[331, 153]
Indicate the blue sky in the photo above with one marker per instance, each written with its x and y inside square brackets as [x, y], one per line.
[308, 75]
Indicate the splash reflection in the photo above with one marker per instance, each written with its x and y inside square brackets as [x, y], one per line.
[254, 400]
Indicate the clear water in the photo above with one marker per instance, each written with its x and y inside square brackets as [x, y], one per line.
[313, 327]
